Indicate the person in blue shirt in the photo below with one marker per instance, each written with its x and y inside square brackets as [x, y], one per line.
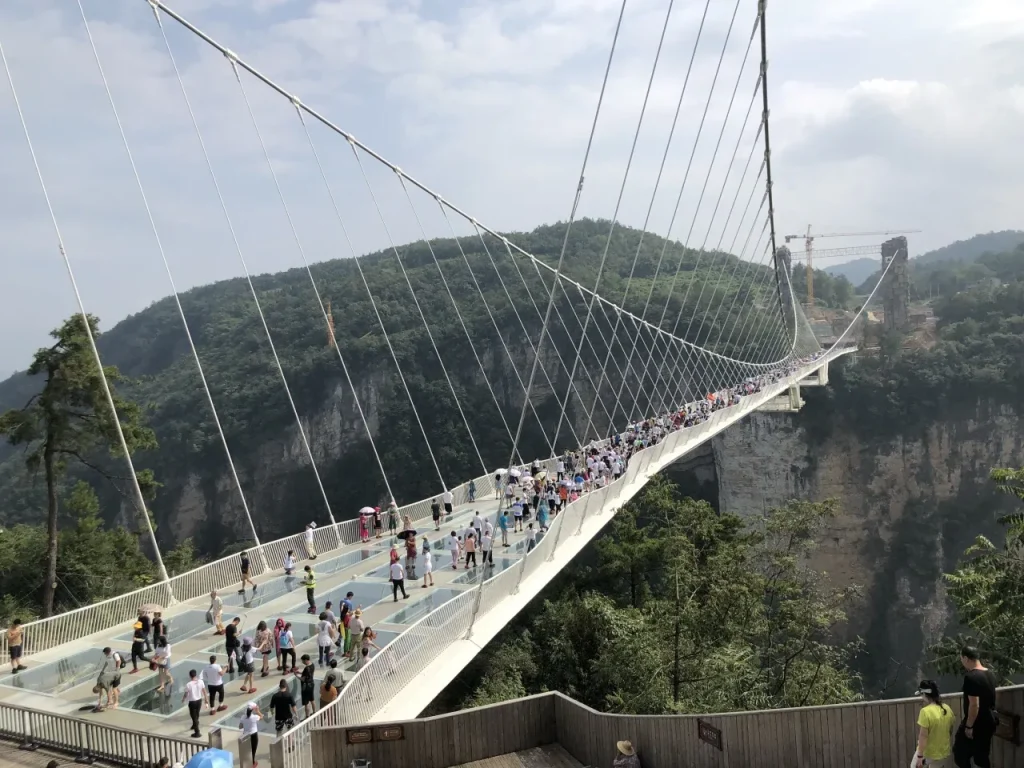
[503, 524]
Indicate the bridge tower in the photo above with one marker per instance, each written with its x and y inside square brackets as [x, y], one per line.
[896, 292]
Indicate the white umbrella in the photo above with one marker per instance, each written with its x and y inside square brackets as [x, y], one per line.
[515, 472]
[366, 511]
[500, 471]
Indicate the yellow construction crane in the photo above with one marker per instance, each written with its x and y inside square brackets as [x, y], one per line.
[809, 249]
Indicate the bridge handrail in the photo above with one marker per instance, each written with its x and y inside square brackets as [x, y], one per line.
[88, 740]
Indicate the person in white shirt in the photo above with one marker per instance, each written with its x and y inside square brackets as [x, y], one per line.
[398, 580]
[213, 676]
[487, 557]
[195, 695]
[453, 546]
[310, 544]
[447, 499]
[428, 564]
[531, 537]
[324, 638]
[250, 725]
[216, 613]
[289, 562]
[478, 525]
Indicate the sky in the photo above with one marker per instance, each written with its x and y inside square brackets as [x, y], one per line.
[894, 114]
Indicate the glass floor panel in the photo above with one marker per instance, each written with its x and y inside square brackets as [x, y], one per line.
[366, 593]
[180, 627]
[142, 696]
[520, 546]
[482, 573]
[60, 675]
[417, 610]
[229, 722]
[265, 592]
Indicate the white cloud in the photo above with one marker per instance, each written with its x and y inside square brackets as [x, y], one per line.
[896, 113]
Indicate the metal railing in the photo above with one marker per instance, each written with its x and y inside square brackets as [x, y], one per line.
[88, 740]
[387, 674]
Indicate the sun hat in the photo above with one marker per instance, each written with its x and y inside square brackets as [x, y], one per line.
[625, 747]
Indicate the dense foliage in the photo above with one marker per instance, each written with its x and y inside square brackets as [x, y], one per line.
[94, 561]
[987, 590]
[70, 421]
[681, 610]
[152, 350]
[833, 291]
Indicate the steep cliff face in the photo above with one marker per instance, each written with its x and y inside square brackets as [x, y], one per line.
[910, 506]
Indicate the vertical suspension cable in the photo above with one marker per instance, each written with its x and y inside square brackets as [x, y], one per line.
[458, 313]
[174, 288]
[618, 205]
[423, 317]
[579, 192]
[140, 500]
[501, 339]
[515, 311]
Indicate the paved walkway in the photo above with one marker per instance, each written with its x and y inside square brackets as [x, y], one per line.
[67, 674]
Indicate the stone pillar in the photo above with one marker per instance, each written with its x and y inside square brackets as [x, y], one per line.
[896, 291]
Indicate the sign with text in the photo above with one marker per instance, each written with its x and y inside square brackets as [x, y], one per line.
[1009, 727]
[390, 733]
[707, 733]
[359, 735]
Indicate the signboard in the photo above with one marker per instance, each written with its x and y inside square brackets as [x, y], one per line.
[709, 734]
[390, 733]
[1009, 727]
[359, 735]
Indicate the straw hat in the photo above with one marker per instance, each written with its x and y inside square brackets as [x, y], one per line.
[358, 612]
[625, 747]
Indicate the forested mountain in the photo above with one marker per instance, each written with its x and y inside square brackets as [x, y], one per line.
[198, 499]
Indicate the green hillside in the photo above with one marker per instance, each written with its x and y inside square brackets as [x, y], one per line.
[151, 348]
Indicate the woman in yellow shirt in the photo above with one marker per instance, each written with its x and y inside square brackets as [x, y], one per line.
[935, 728]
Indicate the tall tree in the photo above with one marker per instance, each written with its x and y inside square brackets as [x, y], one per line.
[69, 421]
[987, 589]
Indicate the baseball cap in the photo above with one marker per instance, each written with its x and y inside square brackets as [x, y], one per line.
[927, 688]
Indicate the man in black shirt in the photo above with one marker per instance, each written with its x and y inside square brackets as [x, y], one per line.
[231, 642]
[282, 703]
[144, 620]
[974, 738]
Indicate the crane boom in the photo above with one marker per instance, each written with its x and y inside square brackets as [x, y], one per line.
[809, 249]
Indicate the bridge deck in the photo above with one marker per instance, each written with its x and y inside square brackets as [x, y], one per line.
[60, 680]
[167, 715]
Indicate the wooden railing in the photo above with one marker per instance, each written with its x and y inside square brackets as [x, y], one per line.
[877, 734]
[88, 740]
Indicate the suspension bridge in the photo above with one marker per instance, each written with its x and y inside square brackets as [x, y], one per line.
[646, 364]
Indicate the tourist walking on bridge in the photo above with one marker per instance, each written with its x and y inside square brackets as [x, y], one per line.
[246, 567]
[974, 737]
[195, 696]
[398, 580]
